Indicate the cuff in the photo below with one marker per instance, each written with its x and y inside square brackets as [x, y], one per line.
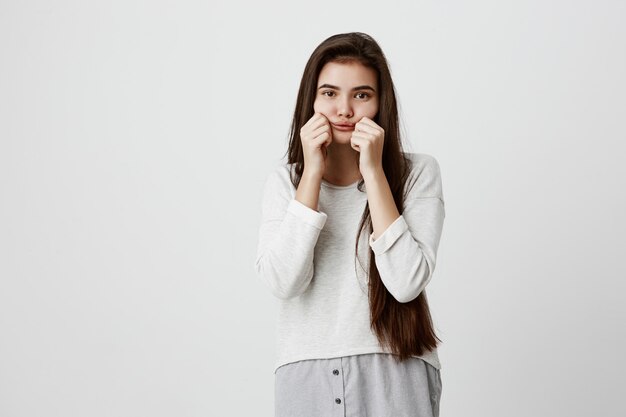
[389, 236]
[316, 219]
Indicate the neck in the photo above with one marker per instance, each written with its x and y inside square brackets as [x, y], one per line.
[342, 164]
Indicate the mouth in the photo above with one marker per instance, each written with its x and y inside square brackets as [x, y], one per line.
[346, 127]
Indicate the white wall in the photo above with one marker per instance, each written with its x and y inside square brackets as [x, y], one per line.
[134, 141]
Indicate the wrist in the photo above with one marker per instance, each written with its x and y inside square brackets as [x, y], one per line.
[308, 175]
[378, 174]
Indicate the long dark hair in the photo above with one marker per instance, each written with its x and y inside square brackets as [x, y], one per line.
[405, 328]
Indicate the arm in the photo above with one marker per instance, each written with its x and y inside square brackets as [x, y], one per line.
[287, 236]
[406, 250]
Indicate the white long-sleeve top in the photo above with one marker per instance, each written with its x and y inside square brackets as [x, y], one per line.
[307, 260]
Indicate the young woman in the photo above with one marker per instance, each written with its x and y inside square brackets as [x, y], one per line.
[348, 241]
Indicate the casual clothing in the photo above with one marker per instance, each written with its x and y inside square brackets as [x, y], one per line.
[357, 386]
[307, 259]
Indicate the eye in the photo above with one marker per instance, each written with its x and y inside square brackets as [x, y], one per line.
[328, 91]
[365, 95]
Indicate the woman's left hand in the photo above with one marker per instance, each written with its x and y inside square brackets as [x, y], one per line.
[368, 138]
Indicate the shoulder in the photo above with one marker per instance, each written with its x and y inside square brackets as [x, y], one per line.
[423, 162]
[425, 176]
[279, 178]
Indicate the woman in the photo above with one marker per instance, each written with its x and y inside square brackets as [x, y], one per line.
[348, 240]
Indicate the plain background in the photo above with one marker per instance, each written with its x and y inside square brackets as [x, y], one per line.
[135, 139]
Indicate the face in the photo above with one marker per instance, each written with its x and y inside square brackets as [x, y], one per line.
[346, 92]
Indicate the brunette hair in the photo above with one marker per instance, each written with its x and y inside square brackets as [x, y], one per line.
[406, 328]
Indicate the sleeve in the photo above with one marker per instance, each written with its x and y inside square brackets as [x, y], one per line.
[287, 236]
[406, 252]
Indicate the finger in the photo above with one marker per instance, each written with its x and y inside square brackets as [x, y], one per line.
[358, 139]
[369, 122]
[321, 139]
[362, 135]
[356, 142]
[312, 121]
[315, 133]
[315, 124]
[363, 127]
[322, 117]
[373, 125]
[327, 143]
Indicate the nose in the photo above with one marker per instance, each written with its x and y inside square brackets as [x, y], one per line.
[344, 108]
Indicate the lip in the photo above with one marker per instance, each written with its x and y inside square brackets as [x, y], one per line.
[343, 126]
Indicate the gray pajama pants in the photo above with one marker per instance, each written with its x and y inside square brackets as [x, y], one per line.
[367, 385]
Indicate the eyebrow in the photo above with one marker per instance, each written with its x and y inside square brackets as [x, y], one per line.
[360, 87]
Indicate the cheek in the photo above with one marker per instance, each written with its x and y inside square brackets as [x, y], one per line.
[320, 107]
[371, 110]
[315, 107]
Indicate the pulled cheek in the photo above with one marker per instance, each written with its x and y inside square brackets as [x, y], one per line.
[369, 112]
[320, 109]
[372, 113]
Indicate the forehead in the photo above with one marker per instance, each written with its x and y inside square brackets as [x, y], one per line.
[347, 74]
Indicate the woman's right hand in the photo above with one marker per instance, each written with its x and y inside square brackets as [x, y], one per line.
[315, 136]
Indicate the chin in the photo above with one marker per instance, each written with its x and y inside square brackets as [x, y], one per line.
[342, 136]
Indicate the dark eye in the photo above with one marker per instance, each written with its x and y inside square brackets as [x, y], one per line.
[365, 95]
[328, 91]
